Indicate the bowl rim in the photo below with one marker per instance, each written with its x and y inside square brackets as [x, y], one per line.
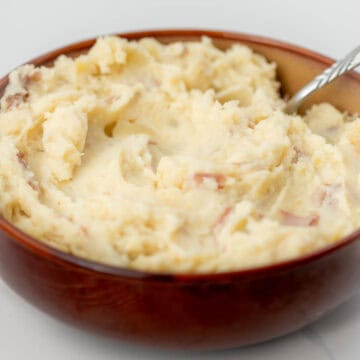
[58, 256]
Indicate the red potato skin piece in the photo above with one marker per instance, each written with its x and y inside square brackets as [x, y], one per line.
[290, 219]
[32, 182]
[27, 80]
[319, 197]
[219, 178]
[111, 99]
[13, 101]
[219, 223]
[223, 216]
[84, 230]
[326, 194]
[21, 157]
[298, 155]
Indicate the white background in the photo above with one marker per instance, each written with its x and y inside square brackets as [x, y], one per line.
[29, 28]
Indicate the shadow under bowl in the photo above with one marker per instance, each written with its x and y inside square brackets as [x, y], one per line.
[189, 311]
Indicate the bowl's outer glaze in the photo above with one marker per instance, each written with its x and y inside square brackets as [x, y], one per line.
[192, 311]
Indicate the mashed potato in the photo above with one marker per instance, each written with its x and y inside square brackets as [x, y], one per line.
[175, 158]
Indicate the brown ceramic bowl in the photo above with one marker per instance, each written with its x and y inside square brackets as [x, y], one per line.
[193, 311]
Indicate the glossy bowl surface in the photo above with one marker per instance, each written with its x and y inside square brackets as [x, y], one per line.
[188, 311]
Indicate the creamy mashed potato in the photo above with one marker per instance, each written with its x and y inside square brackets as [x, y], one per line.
[175, 158]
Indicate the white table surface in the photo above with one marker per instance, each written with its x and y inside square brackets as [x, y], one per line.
[29, 27]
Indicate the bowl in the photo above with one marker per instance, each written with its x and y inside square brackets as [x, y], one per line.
[193, 311]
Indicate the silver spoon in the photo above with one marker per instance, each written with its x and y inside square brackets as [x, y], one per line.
[349, 62]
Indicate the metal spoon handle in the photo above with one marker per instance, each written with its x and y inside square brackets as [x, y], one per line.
[349, 62]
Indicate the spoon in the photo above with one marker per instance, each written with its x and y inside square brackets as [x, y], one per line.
[349, 62]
